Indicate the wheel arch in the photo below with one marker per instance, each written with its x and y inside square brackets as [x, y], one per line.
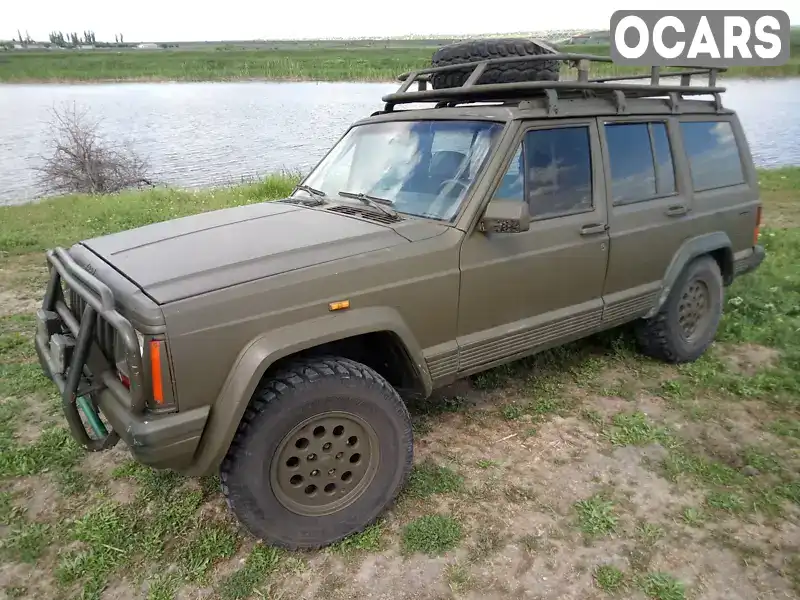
[716, 244]
[359, 329]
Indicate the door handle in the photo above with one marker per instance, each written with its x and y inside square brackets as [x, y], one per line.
[594, 228]
[677, 210]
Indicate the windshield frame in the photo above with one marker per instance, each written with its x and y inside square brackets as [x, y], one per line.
[466, 197]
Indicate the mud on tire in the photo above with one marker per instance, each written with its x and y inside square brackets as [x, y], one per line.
[474, 50]
[330, 424]
[695, 300]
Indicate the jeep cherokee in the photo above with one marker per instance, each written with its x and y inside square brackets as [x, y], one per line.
[276, 343]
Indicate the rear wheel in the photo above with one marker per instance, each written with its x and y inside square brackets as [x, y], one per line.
[687, 323]
[322, 451]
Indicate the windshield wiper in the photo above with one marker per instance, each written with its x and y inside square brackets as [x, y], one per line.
[382, 204]
[318, 194]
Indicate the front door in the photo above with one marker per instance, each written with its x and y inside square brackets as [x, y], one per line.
[523, 292]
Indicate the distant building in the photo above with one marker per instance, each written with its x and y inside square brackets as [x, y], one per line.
[31, 46]
[148, 46]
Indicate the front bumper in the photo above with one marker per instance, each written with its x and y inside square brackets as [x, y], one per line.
[160, 441]
[749, 261]
[70, 354]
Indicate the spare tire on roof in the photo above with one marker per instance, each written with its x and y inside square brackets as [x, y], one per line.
[513, 72]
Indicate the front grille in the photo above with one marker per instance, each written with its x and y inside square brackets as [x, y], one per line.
[103, 332]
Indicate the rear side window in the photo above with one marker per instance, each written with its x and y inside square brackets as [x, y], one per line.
[713, 154]
[641, 161]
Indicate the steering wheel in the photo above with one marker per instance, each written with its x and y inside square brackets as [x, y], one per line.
[445, 203]
[452, 182]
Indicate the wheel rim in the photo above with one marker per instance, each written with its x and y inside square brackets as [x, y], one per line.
[694, 310]
[325, 463]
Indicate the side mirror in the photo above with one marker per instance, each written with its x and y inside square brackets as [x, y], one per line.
[505, 216]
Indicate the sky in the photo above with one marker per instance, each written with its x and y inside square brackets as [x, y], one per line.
[190, 20]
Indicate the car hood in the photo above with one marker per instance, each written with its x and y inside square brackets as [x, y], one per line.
[192, 255]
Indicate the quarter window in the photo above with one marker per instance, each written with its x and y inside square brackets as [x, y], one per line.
[713, 154]
[640, 160]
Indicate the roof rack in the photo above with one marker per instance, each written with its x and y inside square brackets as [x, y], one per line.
[472, 91]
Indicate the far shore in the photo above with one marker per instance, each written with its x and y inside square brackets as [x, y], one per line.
[375, 64]
[106, 81]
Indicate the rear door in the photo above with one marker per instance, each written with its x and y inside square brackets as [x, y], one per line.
[650, 212]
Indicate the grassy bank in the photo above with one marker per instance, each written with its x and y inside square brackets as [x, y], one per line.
[61, 221]
[585, 472]
[202, 64]
[31, 227]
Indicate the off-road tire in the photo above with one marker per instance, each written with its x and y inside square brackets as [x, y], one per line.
[474, 50]
[660, 337]
[304, 389]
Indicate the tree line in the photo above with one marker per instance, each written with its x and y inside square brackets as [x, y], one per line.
[67, 40]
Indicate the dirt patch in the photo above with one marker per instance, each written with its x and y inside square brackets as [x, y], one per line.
[34, 419]
[27, 580]
[121, 590]
[718, 573]
[748, 359]
[12, 303]
[102, 464]
[122, 491]
[561, 570]
[37, 496]
[607, 406]
[22, 283]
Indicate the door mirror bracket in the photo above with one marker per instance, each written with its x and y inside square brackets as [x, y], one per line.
[505, 216]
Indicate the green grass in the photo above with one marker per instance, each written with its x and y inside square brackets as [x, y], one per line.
[662, 586]
[358, 64]
[25, 542]
[164, 535]
[634, 429]
[64, 220]
[261, 562]
[596, 516]
[609, 579]
[369, 540]
[428, 478]
[432, 535]
[375, 63]
[786, 427]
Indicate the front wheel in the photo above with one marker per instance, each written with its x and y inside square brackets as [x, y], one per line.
[687, 323]
[323, 449]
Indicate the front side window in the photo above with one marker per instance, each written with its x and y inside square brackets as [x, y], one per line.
[552, 171]
[425, 168]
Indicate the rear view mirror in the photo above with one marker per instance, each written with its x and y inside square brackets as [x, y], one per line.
[505, 216]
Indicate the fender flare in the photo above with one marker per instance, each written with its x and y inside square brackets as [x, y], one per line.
[689, 250]
[267, 348]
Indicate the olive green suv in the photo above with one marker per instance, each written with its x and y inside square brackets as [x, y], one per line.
[493, 212]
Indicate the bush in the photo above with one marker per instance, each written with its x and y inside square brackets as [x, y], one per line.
[82, 162]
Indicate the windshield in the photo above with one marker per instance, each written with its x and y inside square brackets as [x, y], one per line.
[423, 168]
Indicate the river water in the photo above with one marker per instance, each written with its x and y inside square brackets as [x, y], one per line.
[199, 134]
